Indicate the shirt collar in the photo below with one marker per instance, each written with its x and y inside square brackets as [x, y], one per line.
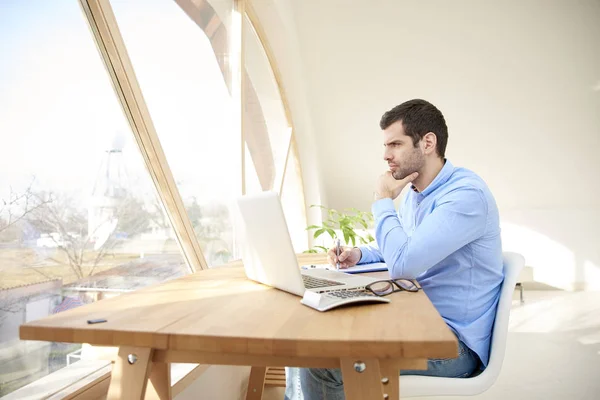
[441, 178]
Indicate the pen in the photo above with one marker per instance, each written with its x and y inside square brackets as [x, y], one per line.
[337, 253]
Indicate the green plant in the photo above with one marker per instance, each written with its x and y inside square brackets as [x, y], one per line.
[347, 222]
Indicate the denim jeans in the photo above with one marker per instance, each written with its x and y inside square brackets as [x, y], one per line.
[327, 384]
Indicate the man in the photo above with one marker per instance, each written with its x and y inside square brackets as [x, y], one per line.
[446, 236]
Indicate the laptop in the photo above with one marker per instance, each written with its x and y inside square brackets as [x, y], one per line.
[269, 258]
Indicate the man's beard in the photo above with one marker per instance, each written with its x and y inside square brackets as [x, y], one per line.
[413, 163]
[400, 174]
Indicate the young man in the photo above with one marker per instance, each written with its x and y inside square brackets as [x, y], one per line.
[446, 236]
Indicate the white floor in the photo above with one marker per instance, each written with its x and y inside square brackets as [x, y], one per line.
[553, 349]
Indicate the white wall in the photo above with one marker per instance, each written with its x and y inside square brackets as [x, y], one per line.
[519, 84]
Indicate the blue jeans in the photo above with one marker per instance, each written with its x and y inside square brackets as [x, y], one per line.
[327, 384]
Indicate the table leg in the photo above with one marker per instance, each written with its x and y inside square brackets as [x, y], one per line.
[256, 383]
[362, 378]
[390, 378]
[159, 387]
[130, 373]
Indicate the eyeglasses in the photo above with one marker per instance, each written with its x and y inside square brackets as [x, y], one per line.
[383, 288]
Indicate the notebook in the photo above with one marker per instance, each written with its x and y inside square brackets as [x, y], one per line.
[357, 269]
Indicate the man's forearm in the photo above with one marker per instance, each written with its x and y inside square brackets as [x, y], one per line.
[435, 238]
[369, 254]
[392, 240]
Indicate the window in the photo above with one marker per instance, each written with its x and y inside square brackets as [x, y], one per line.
[292, 200]
[185, 77]
[269, 140]
[79, 216]
[267, 131]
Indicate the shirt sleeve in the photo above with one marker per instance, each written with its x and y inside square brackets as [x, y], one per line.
[458, 218]
[370, 254]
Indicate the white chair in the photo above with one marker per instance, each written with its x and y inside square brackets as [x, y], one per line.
[417, 386]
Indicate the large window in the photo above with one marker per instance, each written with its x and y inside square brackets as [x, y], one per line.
[267, 131]
[292, 199]
[79, 216]
[186, 84]
[270, 162]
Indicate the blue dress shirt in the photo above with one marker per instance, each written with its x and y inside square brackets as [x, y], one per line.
[448, 239]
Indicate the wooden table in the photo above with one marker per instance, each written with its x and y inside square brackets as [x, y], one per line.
[217, 316]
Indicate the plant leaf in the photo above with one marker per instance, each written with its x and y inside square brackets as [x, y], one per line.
[318, 233]
[331, 232]
[346, 235]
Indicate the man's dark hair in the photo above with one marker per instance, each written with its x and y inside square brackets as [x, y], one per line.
[418, 118]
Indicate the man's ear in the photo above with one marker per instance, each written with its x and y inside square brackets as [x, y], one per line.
[429, 143]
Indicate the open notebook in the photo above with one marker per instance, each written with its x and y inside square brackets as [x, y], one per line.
[357, 269]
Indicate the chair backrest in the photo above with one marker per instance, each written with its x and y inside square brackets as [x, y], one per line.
[513, 264]
[416, 386]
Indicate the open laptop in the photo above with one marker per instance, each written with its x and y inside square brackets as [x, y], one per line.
[269, 258]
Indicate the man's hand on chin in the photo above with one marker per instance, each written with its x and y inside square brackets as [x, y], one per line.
[389, 187]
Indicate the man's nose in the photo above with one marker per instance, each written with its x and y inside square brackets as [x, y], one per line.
[386, 155]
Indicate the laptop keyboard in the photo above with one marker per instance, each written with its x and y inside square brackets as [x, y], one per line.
[311, 282]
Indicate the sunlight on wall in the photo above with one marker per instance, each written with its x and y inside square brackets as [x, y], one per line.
[572, 313]
[592, 275]
[593, 338]
[552, 262]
